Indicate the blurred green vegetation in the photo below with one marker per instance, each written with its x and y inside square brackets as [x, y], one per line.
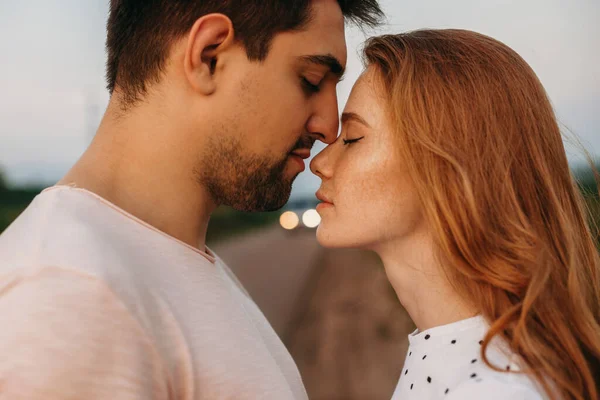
[587, 181]
[226, 222]
[13, 202]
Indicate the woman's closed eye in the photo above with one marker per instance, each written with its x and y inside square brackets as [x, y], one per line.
[350, 141]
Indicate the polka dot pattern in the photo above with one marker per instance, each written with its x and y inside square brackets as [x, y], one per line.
[443, 359]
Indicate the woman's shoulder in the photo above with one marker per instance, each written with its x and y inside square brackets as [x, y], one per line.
[497, 386]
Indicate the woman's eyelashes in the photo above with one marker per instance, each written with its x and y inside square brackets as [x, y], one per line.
[350, 141]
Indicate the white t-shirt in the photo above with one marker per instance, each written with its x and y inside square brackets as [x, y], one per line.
[445, 363]
[96, 304]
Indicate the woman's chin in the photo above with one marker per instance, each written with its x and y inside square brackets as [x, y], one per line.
[334, 239]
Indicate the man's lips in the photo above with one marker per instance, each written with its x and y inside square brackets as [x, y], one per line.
[302, 153]
[299, 159]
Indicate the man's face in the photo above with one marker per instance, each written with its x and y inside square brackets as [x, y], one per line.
[268, 114]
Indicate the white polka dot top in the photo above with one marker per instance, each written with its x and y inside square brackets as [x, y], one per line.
[445, 363]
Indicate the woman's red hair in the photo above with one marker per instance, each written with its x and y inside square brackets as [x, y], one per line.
[485, 153]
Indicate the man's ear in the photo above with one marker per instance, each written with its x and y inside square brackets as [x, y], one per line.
[209, 37]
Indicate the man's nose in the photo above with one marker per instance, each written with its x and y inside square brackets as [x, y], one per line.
[324, 123]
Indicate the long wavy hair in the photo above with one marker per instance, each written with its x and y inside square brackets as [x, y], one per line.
[486, 156]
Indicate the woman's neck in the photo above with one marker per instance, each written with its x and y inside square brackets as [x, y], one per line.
[420, 283]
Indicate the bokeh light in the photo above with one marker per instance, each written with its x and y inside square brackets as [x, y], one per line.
[311, 218]
[289, 220]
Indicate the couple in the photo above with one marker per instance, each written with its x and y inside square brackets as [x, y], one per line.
[449, 166]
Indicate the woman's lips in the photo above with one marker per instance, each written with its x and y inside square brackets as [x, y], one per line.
[323, 198]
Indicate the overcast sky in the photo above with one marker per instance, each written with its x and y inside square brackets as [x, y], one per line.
[52, 92]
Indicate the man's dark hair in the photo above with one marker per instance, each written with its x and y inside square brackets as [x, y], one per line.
[140, 32]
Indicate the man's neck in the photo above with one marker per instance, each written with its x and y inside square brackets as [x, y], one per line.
[420, 283]
[126, 166]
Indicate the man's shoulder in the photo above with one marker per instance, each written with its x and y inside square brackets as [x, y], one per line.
[56, 226]
[52, 281]
[55, 281]
[70, 229]
[62, 330]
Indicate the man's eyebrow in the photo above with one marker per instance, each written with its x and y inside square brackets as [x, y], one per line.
[327, 60]
[351, 116]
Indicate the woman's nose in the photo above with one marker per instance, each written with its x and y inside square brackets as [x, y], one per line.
[322, 164]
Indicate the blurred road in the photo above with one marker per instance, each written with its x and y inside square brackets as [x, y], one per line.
[274, 265]
[333, 309]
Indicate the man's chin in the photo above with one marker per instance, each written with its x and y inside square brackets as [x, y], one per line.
[265, 202]
[276, 204]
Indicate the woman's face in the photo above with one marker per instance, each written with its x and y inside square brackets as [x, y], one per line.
[367, 196]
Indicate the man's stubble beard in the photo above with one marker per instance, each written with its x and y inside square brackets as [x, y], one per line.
[244, 182]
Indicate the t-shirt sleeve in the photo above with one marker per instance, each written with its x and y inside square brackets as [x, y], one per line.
[65, 335]
[491, 389]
